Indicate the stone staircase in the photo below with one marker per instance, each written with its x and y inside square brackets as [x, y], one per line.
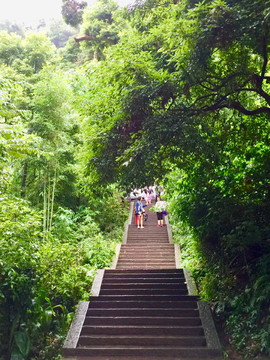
[142, 309]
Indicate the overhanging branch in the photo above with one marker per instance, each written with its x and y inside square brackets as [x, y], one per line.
[237, 106]
[87, 37]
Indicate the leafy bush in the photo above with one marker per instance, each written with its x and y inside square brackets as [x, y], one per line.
[43, 278]
[224, 238]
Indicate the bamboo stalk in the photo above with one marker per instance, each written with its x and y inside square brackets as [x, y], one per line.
[48, 208]
[44, 208]
[54, 184]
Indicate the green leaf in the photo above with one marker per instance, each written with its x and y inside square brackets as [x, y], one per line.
[16, 355]
[23, 342]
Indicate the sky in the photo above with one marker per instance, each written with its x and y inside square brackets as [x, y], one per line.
[30, 12]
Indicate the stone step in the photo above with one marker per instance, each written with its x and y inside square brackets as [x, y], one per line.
[146, 246]
[154, 223]
[146, 257]
[151, 230]
[144, 250]
[144, 272]
[145, 233]
[145, 267]
[150, 258]
[147, 252]
[142, 312]
[143, 320]
[150, 225]
[141, 253]
[134, 241]
[154, 242]
[139, 358]
[144, 298]
[144, 243]
[144, 285]
[152, 280]
[184, 331]
[145, 260]
[146, 236]
[148, 230]
[144, 292]
[144, 264]
[136, 340]
[189, 304]
[159, 352]
[155, 273]
[127, 280]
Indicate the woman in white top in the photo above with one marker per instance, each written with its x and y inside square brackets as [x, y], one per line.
[159, 208]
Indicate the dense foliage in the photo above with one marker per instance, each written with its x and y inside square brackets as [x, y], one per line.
[53, 235]
[184, 96]
[168, 90]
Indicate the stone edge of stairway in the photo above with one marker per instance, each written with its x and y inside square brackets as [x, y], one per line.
[210, 331]
[78, 320]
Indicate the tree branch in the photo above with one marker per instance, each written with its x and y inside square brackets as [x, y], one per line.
[87, 37]
[237, 106]
[84, 37]
[264, 95]
[223, 82]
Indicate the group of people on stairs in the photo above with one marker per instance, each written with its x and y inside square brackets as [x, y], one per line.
[159, 208]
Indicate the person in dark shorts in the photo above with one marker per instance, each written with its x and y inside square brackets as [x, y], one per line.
[159, 205]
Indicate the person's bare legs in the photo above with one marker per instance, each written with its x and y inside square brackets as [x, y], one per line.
[141, 221]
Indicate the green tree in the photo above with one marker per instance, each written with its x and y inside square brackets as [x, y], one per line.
[59, 32]
[72, 11]
[99, 29]
[38, 51]
[11, 47]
